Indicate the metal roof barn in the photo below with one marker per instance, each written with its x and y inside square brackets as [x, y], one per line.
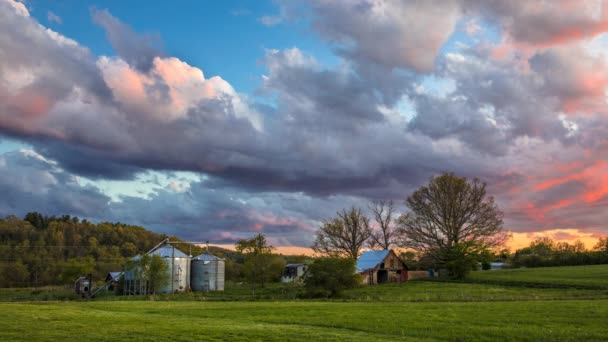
[208, 272]
[370, 259]
[378, 267]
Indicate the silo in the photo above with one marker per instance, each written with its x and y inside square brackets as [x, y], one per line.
[178, 272]
[207, 273]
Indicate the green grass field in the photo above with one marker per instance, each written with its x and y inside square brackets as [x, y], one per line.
[280, 321]
[592, 276]
[504, 310]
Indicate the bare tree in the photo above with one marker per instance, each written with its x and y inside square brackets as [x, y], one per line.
[344, 235]
[387, 233]
[453, 221]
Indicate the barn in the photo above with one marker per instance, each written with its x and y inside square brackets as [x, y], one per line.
[378, 267]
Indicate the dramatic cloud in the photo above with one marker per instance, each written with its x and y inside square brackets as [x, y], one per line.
[545, 23]
[77, 108]
[512, 93]
[394, 34]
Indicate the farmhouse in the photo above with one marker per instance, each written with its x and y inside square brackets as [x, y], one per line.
[377, 267]
[293, 272]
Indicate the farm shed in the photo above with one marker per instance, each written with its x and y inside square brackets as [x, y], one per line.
[498, 265]
[293, 272]
[112, 279]
[208, 272]
[377, 267]
[82, 286]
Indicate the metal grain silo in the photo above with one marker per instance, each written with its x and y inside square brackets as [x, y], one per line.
[207, 273]
[178, 272]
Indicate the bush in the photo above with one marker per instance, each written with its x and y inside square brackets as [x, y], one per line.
[328, 277]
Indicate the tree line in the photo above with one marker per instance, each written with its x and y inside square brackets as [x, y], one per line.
[545, 252]
[41, 250]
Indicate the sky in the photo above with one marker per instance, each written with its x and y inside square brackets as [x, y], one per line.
[218, 120]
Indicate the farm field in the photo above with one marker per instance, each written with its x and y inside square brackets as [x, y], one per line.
[280, 321]
[417, 311]
[414, 291]
[592, 276]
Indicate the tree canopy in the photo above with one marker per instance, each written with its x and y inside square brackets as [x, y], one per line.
[452, 220]
[327, 277]
[49, 250]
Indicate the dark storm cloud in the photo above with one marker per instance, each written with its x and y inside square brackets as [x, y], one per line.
[28, 182]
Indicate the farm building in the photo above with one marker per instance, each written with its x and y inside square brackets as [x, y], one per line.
[377, 267]
[178, 271]
[207, 273]
[498, 265]
[293, 272]
[202, 273]
[112, 279]
[82, 286]
[179, 268]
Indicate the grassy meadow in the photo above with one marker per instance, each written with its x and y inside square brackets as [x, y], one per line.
[502, 309]
[590, 276]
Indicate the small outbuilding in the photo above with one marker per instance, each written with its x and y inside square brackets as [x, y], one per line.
[498, 265]
[82, 286]
[112, 280]
[293, 273]
[378, 267]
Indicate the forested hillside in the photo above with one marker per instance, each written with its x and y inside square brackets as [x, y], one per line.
[40, 250]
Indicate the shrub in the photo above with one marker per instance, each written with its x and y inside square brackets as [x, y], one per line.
[328, 277]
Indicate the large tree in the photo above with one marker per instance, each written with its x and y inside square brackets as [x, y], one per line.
[261, 265]
[452, 220]
[386, 233]
[343, 236]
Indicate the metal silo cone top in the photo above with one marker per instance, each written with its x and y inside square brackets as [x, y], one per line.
[207, 257]
[168, 251]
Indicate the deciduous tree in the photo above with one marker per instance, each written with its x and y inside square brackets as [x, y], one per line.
[386, 233]
[452, 220]
[602, 245]
[260, 265]
[344, 235]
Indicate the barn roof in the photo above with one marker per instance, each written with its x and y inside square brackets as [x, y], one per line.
[114, 276]
[370, 259]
